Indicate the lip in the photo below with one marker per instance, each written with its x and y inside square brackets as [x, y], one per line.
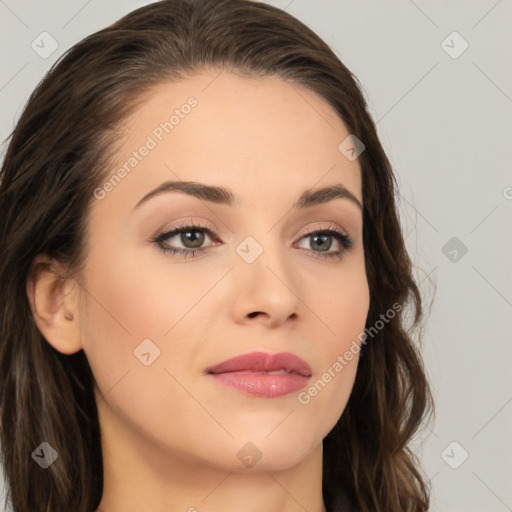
[248, 373]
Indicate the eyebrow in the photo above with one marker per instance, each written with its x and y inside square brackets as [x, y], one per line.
[221, 195]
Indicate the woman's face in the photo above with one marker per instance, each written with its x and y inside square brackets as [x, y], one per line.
[258, 280]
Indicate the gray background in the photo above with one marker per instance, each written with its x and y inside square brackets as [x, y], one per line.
[445, 123]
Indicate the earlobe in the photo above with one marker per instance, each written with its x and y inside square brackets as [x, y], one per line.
[54, 304]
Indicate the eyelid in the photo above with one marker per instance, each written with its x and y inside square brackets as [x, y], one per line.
[314, 229]
[212, 232]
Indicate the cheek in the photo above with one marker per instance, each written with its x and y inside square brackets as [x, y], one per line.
[130, 301]
[343, 310]
[133, 297]
[341, 302]
[137, 295]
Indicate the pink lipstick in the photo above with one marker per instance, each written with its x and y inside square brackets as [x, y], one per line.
[262, 374]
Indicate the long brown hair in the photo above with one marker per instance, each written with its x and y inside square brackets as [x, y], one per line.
[59, 153]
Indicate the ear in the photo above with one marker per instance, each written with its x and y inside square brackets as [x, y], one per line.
[54, 303]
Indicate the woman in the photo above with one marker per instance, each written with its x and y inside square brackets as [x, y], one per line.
[204, 281]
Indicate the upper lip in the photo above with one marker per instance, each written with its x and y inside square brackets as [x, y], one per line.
[263, 362]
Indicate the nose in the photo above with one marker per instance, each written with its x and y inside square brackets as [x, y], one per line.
[266, 290]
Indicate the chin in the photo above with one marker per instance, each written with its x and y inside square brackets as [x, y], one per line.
[263, 452]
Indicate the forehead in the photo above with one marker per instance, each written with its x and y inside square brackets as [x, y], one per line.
[260, 135]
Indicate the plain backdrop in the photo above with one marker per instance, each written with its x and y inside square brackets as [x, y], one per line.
[437, 78]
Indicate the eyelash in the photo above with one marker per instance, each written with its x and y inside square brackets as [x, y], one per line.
[344, 239]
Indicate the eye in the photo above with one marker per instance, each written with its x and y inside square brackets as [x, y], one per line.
[322, 239]
[193, 236]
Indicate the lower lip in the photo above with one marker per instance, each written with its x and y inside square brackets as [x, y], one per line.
[262, 384]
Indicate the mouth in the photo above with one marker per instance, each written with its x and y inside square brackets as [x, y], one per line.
[262, 374]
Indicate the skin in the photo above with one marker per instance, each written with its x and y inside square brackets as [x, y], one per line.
[170, 433]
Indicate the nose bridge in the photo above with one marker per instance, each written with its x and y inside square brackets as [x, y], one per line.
[263, 248]
[262, 229]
